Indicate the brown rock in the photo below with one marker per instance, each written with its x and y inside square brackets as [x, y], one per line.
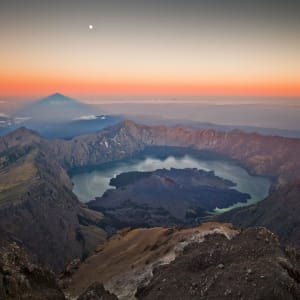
[96, 291]
[274, 272]
[20, 279]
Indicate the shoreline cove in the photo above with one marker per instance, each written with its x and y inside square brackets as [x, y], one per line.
[93, 182]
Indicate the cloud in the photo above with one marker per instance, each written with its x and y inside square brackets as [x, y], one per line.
[3, 115]
[2, 102]
[19, 120]
[85, 118]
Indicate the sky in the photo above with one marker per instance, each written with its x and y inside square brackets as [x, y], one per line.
[143, 47]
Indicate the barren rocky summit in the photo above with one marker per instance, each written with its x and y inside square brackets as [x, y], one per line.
[252, 265]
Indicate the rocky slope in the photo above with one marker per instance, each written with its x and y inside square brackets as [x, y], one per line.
[127, 259]
[211, 261]
[21, 279]
[252, 265]
[264, 155]
[96, 291]
[37, 207]
[279, 212]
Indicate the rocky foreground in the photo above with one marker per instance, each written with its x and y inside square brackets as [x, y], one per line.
[21, 279]
[252, 265]
[211, 261]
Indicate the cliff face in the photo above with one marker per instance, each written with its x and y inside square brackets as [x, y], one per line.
[279, 213]
[113, 143]
[263, 155]
[37, 206]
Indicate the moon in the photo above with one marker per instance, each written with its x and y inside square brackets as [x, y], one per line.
[91, 26]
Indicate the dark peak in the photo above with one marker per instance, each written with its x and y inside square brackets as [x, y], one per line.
[126, 124]
[20, 138]
[24, 129]
[131, 124]
[59, 95]
[23, 132]
[57, 98]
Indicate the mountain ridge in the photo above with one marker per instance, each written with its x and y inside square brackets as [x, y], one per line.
[267, 156]
[254, 151]
[36, 201]
[208, 261]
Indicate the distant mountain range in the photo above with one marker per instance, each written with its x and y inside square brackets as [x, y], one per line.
[57, 116]
[55, 108]
[153, 120]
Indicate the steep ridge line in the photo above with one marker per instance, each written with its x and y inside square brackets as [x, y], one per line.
[38, 209]
[49, 194]
[272, 156]
[127, 259]
[210, 261]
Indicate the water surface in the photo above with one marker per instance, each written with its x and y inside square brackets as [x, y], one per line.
[91, 184]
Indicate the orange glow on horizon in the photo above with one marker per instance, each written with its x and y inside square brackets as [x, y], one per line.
[34, 86]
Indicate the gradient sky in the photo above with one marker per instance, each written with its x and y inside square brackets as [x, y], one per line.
[150, 47]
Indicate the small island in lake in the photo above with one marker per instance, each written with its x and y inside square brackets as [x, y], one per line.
[165, 197]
